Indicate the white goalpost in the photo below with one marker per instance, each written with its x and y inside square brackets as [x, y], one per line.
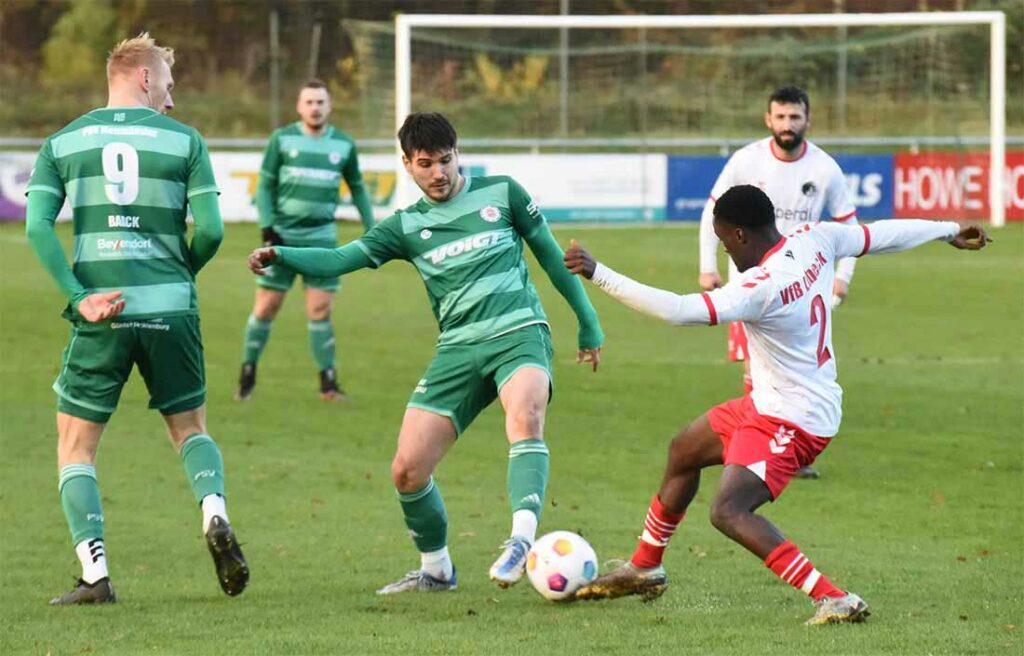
[995, 20]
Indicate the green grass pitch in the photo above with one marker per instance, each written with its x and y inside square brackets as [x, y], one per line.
[919, 508]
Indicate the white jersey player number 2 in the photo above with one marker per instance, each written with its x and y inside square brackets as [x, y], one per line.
[818, 317]
[121, 169]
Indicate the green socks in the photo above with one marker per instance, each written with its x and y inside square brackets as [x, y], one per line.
[203, 466]
[256, 335]
[425, 517]
[80, 497]
[527, 475]
[321, 343]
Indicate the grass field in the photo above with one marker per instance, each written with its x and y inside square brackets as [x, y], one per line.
[919, 508]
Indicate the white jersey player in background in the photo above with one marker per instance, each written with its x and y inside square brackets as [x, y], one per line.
[801, 180]
[795, 408]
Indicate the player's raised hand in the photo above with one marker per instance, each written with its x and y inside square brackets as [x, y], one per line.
[260, 259]
[970, 238]
[101, 306]
[580, 262]
[592, 355]
[709, 281]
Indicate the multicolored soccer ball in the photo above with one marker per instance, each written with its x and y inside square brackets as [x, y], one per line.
[559, 564]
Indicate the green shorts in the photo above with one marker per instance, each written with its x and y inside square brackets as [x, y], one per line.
[282, 278]
[99, 358]
[462, 380]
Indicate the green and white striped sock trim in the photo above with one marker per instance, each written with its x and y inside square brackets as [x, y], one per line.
[72, 471]
[409, 497]
[528, 446]
[319, 326]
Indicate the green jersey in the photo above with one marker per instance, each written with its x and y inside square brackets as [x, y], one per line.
[128, 174]
[469, 252]
[303, 174]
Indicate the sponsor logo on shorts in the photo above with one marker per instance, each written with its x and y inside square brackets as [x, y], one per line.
[783, 436]
[490, 214]
[421, 387]
[145, 325]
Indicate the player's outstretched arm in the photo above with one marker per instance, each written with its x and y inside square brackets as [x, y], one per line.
[40, 216]
[681, 310]
[894, 235]
[209, 229]
[549, 254]
[318, 262]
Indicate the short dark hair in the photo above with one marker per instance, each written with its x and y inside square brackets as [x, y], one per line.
[314, 83]
[427, 131]
[746, 206]
[791, 95]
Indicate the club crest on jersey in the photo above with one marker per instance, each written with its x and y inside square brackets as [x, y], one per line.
[425, 234]
[809, 189]
[490, 214]
[293, 153]
[334, 158]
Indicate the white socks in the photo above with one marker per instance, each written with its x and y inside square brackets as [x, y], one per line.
[524, 525]
[93, 557]
[213, 505]
[437, 563]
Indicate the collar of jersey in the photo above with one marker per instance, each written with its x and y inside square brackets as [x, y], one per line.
[772, 251]
[103, 109]
[465, 188]
[328, 132]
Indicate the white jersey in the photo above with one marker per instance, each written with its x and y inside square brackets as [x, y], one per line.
[800, 190]
[784, 304]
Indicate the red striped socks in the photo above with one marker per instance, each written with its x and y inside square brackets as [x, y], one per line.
[658, 529]
[793, 567]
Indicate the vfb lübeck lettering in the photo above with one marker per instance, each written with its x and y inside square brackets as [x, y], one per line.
[797, 289]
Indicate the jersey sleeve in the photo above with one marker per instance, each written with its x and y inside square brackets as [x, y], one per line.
[271, 160]
[200, 171]
[384, 242]
[725, 178]
[708, 240]
[840, 205]
[45, 176]
[748, 298]
[889, 236]
[527, 218]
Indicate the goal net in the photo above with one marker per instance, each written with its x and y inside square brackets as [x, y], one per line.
[696, 85]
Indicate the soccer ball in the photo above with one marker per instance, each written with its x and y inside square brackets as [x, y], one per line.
[559, 564]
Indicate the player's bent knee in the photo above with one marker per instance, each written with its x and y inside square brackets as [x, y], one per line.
[407, 477]
[724, 514]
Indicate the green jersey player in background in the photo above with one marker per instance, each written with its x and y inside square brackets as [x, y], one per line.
[465, 237]
[296, 198]
[129, 172]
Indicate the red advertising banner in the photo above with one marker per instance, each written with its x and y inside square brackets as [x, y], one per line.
[954, 186]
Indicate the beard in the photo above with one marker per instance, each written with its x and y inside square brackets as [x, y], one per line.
[796, 139]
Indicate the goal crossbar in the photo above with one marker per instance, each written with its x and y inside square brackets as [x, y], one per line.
[996, 20]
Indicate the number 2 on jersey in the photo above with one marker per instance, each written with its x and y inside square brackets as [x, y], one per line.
[818, 316]
[121, 169]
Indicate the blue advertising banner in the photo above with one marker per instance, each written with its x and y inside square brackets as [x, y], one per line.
[870, 178]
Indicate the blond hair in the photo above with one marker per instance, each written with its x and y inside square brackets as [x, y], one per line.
[139, 51]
